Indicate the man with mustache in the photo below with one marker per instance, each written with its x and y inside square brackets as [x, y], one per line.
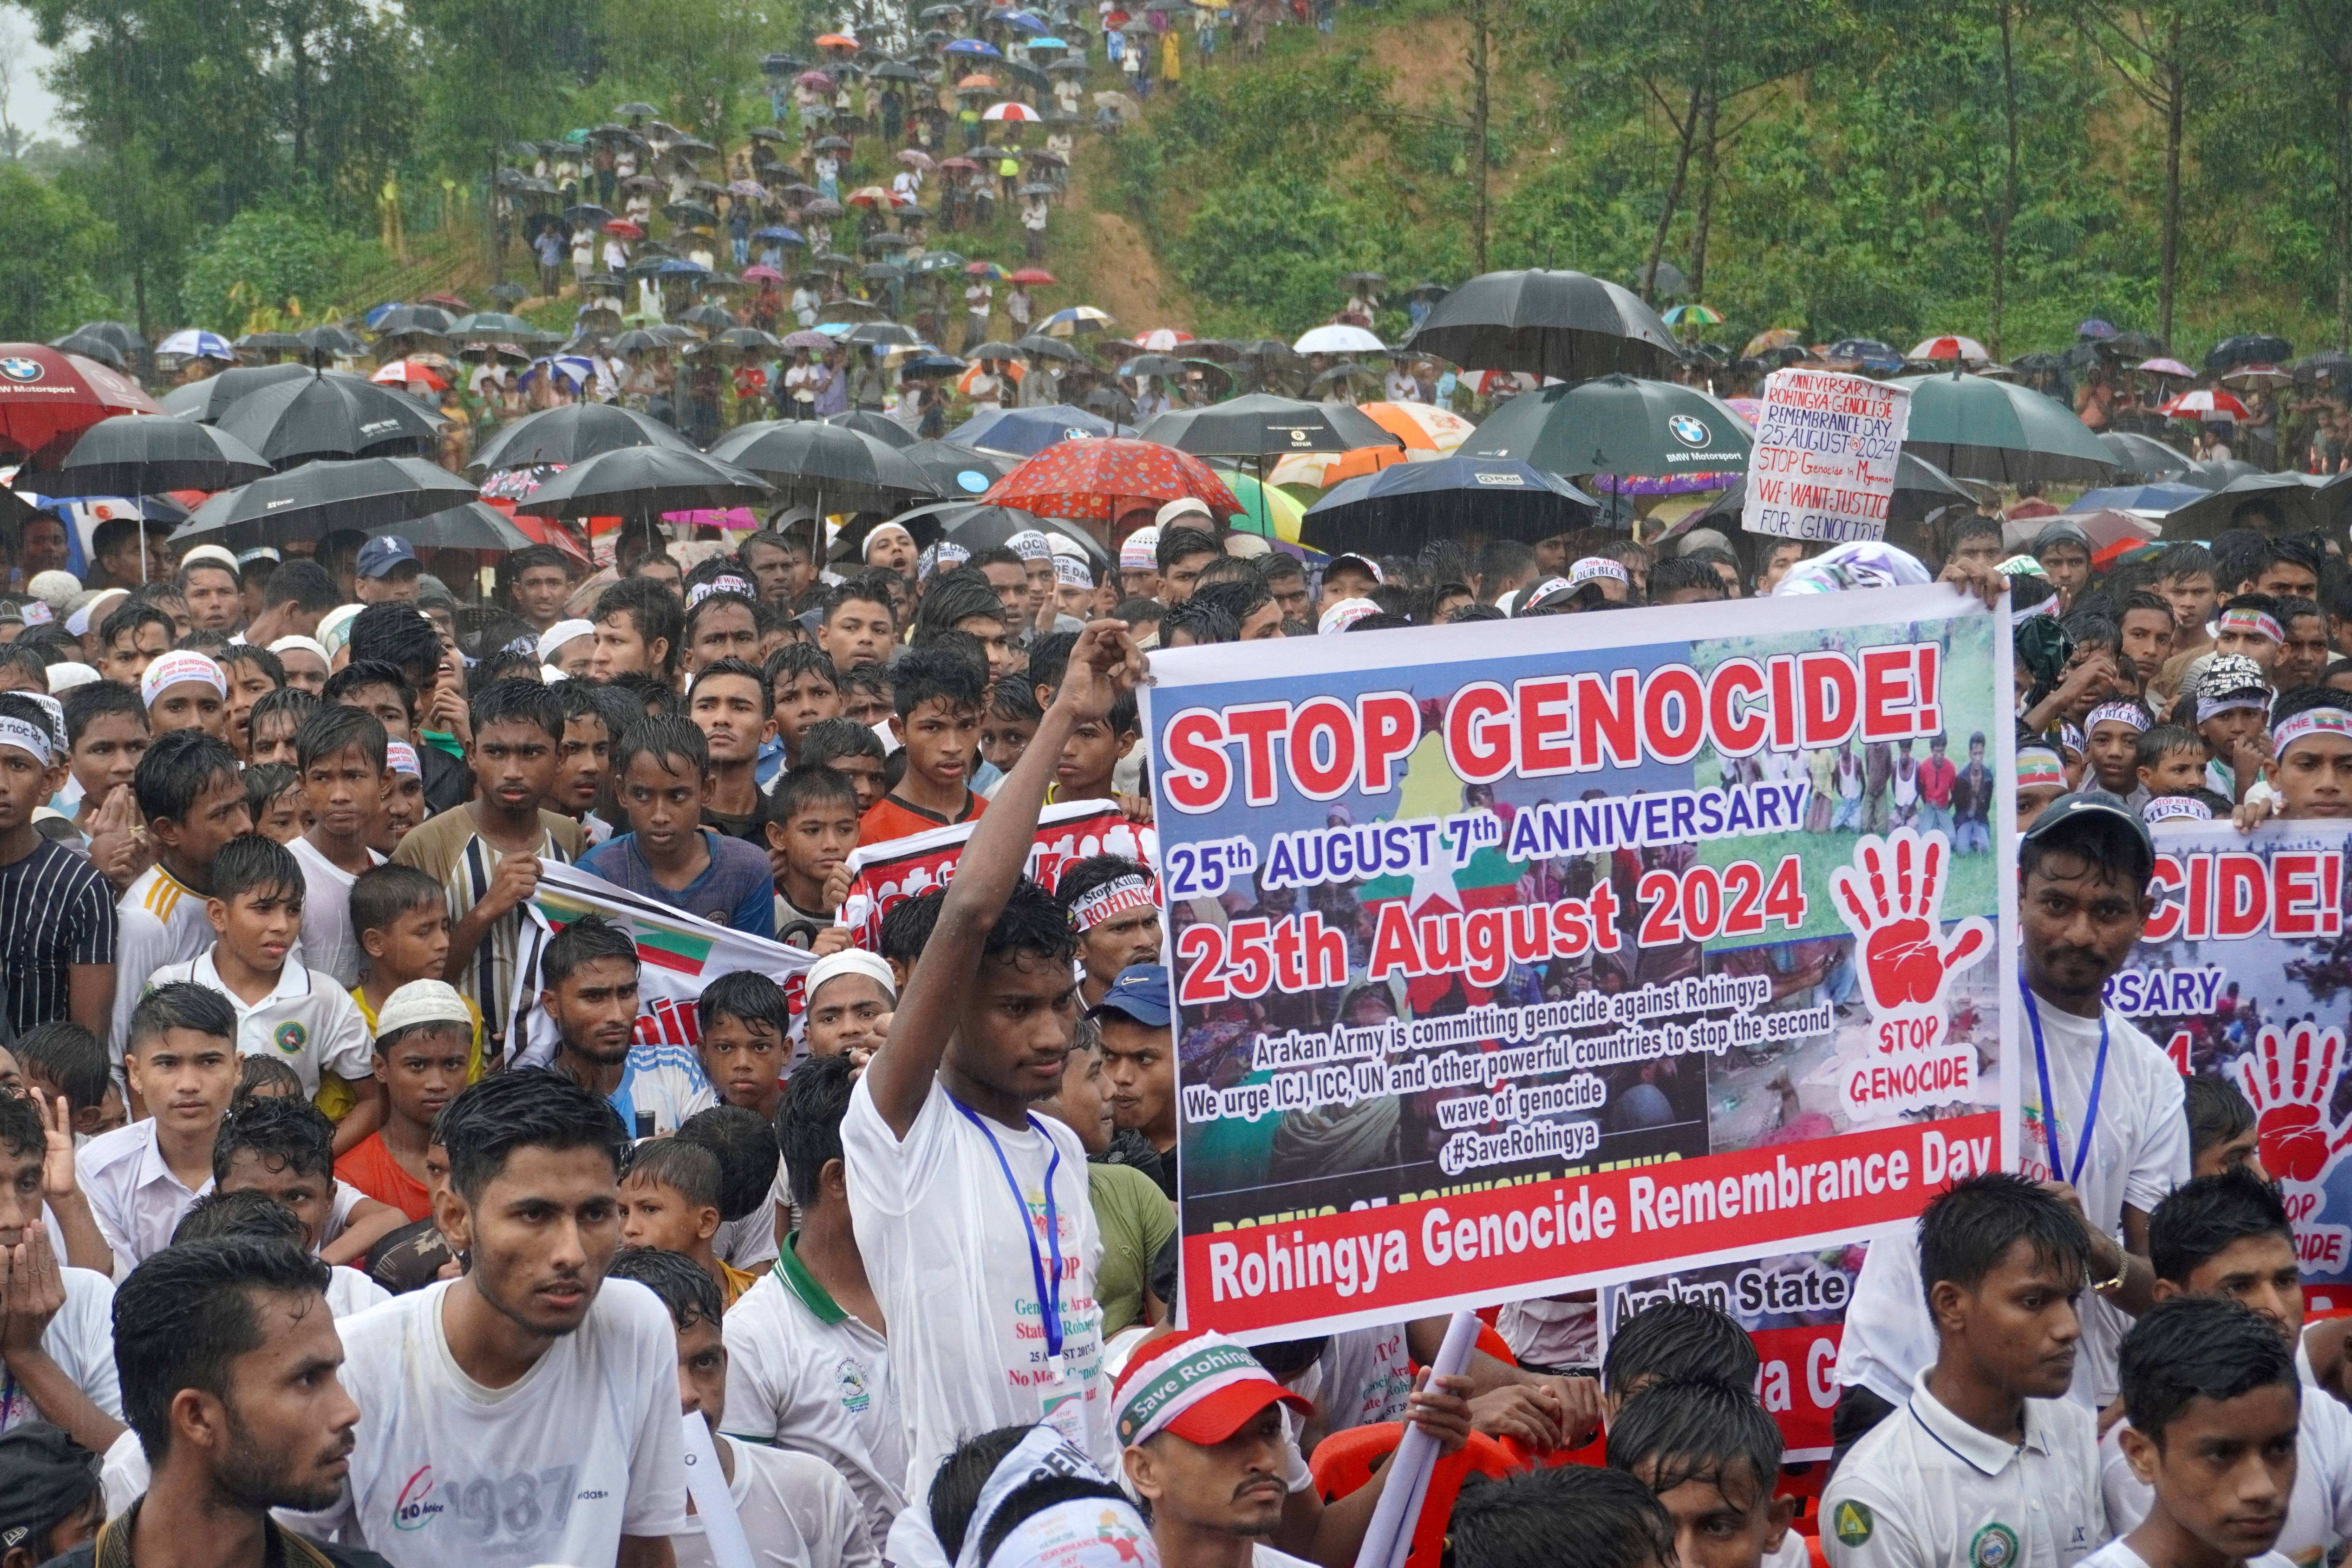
[2102, 1127]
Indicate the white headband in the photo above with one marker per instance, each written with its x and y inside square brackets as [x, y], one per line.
[400, 758]
[851, 961]
[285, 646]
[882, 527]
[2213, 707]
[702, 591]
[1141, 551]
[2309, 722]
[1592, 568]
[1343, 614]
[2175, 808]
[179, 666]
[2130, 713]
[1113, 898]
[562, 632]
[1072, 572]
[26, 735]
[1030, 545]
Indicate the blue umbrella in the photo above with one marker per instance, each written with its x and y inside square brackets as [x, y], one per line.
[778, 233]
[379, 313]
[1406, 505]
[1025, 432]
[974, 46]
[194, 344]
[679, 266]
[1024, 21]
[2095, 328]
[2138, 497]
[1048, 44]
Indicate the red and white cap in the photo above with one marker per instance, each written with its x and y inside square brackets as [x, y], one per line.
[1201, 1385]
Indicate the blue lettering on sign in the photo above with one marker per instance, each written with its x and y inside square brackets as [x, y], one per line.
[2173, 993]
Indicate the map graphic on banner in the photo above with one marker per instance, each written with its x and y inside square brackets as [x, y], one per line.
[1512, 965]
[1822, 466]
[2245, 972]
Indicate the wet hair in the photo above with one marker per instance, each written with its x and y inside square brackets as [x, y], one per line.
[181, 1004]
[585, 941]
[181, 765]
[1049, 660]
[808, 1121]
[21, 1132]
[665, 739]
[2197, 1347]
[244, 1212]
[73, 1059]
[1566, 1516]
[937, 674]
[908, 924]
[957, 597]
[333, 730]
[292, 1132]
[362, 673]
[2114, 848]
[1697, 1429]
[265, 781]
[956, 1487]
[290, 700]
[1681, 1342]
[1134, 612]
[381, 894]
[653, 697]
[863, 590]
[127, 618]
[2297, 700]
[744, 1145]
[1015, 702]
[251, 863]
[2201, 1218]
[1083, 876]
[652, 611]
[256, 1074]
[1970, 1226]
[185, 1313]
[808, 785]
[305, 584]
[506, 664]
[871, 678]
[1033, 924]
[520, 702]
[2216, 1111]
[829, 738]
[400, 635]
[1181, 543]
[688, 1168]
[1692, 570]
[801, 660]
[1202, 620]
[2158, 740]
[683, 1286]
[489, 1120]
[746, 994]
[261, 658]
[721, 600]
[1240, 597]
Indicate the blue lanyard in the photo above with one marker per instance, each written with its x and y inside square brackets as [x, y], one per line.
[2049, 1102]
[1049, 1299]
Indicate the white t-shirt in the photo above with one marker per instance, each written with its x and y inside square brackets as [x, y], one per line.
[307, 1022]
[555, 1467]
[329, 944]
[948, 1253]
[160, 920]
[1367, 1374]
[2319, 1509]
[805, 1376]
[797, 1512]
[2116, 1554]
[749, 1243]
[81, 1339]
[2139, 1151]
[351, 1292]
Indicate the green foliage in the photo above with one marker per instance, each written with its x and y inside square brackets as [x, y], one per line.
[1271, 250]
[272, 263]
[56, 244]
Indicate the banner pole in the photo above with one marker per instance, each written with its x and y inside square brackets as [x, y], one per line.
[1389, 1538]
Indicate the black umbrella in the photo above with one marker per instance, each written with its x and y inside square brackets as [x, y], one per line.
[2272, 503]
[572, 433]
[886, 332]
[830, 467]
[637, 482]
[987, 527]
[139, 454]
[333, 340]
[303, 503]
[745, 338]
[1037, 345]
[956, 470]
[1111, 404]
[330, 414]
[207, 399]
[881, 427]
[2247, 348]
[2144, 455]
[270, 343]
[477, 525]
[716, 317]
[933, 363]
[2333, 365]
[1263, 426]
[632, 110]
[992, 349]
[1566, 324]
[638, 341]
[1406, 505]
[1152, 364]
[125, 338]
[511, 293]
[405, 320]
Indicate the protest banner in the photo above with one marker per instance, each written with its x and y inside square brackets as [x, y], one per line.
[1822, 466]
[2244, 974]
[1514, 960]
[883, 875]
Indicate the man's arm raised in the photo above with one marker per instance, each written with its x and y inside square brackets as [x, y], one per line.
[1105, 663]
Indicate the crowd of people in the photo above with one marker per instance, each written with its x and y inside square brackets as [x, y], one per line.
[306, 1252]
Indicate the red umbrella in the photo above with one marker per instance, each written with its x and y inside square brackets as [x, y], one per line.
[46, 396]
[546, 530]
[2209, 400]
[1036, 277]
[1093, 479]
[624, 228]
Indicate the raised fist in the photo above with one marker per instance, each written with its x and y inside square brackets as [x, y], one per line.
[1889, 897]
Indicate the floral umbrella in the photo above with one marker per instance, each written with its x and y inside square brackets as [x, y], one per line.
[1094, 478]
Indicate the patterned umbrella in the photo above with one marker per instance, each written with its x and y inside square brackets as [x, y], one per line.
[1094, 480]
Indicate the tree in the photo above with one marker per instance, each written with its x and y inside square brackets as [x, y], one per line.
[56, 245]
[2325, 28]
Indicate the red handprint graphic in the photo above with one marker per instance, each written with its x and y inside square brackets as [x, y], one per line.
[2289, 1079]
[1890, 897]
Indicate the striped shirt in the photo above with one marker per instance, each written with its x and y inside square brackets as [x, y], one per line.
[56, 912]
[447, 849]
[161, 921]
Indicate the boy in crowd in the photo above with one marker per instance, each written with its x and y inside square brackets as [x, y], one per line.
[403, 805]
[401, 918]
[858, 626]
[964, 603]
[1140, 1062]
[746, 1041]
[589, 972]
[661, 780]
[286, 1012]
[193, 802]
[1987, 1448]
[282, 1149]
[669, 1201]
[57, 1364]
[339, 753]
[1677, 1342]
[59, 924]
[1117, 918]
[2111, 744]
[2310, 766]
[813, 824]
[866, 695]
[66, 1063]
[2249, 628]
[1092, 754]
[855, 752]
[1182, 552]
[2230, 705]
[797, 1511]
[2214, 1403]
[537, 582]
[584, 763]
[849, 992]
[2227, 1236]
[1013, 714]
[253, 673]
[180, 1056]
[134, 635]
[2304, 652]
[800, 1337]
[937, 697]
[185, 690]
[274, 795]
[485, 854]
[727, 702]
[2144, 634]
[803, 691]
[638, 627]
[424, 1045]
[2186, 579]
[1565, 1517]
[1713, 1457]
[1136, 1219]
[378, 688]
[720, 624]
[106, 735]
[2166, 759]
[589, 1453]
[271, 724]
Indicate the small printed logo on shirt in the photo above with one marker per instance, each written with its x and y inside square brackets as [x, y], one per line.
[1852, 1523]
[851, 1377]
[415, 1509]
[292, 1037]
[1994, 1546]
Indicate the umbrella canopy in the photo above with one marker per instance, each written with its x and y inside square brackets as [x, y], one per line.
[2247, 348]
[1263, 426]
[1077, 319]
[881, 427]
[1422, 426]
[194, 344]
[2272, 503]
[1406, 505]
[90, 345]
[1034, 277]
[207, 399]
[1693, 315]
[1339, 339]
[331, 338]
[477, 525]
[1099, 480]
[2110, 533]
[330, 414]
[884, 332]
[2253, 376]
[302, 503]
[1025, 432]
[833, 467]
[956, 470]
[2329, 365]
[2143, 454]
[1037, 346]
[2154, 498]
[645, 482]
[404, 320]
[2163, 367]
[46, 394]
[1617, 425]
[1950, 346]
[572, 433]
[143, 454]
[978, 527]
[1011, 113]
[1565, 325]
[487, 325]
[1975, 429]
[2207, 402]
